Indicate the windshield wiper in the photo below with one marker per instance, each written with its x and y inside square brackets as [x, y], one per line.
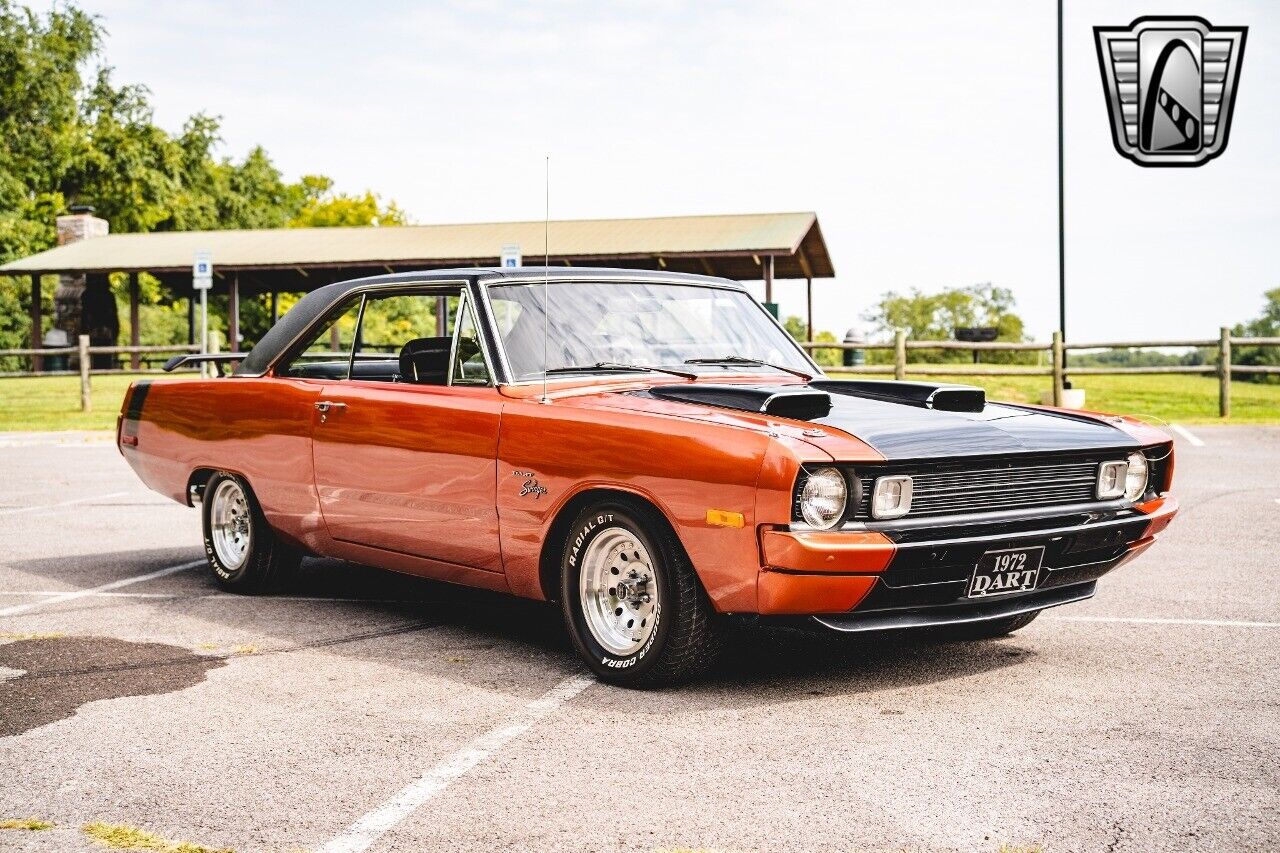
[737, 359]
[613, 365]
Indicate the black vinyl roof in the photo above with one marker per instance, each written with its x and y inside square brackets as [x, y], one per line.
[321, 301]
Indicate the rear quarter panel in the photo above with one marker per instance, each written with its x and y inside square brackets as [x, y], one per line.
[259, 428]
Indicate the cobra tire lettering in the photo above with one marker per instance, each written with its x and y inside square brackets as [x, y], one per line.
[623, 663]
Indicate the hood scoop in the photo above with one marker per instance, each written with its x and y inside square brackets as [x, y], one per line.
[801, 403]
[924, 395]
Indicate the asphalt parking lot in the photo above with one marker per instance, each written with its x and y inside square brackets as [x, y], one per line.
[364, 710]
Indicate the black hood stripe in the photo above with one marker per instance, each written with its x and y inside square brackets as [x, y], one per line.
[906, 430]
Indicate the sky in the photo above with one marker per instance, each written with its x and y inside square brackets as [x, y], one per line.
[923, 134]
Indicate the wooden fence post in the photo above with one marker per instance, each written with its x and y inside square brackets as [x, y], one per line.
[215, 347]
[1059, 364]
[86, 401]
[1224, 372]
[900, 354]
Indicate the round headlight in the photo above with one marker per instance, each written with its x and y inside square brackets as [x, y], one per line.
[823, 498]
[1135, 483]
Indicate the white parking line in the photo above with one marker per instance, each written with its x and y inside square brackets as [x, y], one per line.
[81, 593]
[64, 503]
[1192, 439]
[368, 829]
[1140, 620]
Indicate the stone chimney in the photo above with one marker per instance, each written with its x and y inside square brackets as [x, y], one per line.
[80, 224]
[83, 304]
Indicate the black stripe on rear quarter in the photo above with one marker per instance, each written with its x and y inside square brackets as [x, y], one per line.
[137, 397]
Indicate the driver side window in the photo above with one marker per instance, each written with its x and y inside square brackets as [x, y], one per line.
[397, 337]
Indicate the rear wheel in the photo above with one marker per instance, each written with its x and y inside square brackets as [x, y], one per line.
[632, 602]
[244, 553]
[991, 629]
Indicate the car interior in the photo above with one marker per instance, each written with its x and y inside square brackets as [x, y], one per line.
[377, 338]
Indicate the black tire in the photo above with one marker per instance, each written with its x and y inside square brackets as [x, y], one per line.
[686, 637]
[991, 629]
[268, 563]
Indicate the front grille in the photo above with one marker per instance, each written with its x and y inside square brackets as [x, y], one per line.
[993, 486]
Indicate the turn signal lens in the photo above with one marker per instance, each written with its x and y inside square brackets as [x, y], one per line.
[1111, 479]
[1135, 483]
[823, 498]
[891, 497]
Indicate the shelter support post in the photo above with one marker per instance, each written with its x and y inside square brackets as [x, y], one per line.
[135, 334]
[191, 319]
[233, 313]
[807, 269]
[37, 323]
[768, 278]
[275, 306]
[808, 304]
[442, 310]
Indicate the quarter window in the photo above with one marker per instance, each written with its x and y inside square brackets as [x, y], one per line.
[469, 367]
[327, 354]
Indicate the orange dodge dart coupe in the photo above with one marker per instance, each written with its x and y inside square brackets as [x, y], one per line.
[653, 451]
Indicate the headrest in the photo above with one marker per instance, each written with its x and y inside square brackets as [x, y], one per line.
[425, 360]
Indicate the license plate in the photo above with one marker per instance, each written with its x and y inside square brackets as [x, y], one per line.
[1006, 571]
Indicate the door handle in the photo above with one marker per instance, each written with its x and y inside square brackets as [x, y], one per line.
[325, 406]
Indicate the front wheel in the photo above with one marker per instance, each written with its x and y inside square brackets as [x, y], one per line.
[243, 551]
[632, 602]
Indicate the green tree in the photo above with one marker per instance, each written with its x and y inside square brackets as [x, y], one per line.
[327, 209]
[70, 135]
[936, 316]
[798, 329]
[1266, 325]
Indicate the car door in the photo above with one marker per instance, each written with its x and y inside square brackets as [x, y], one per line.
[408, 464]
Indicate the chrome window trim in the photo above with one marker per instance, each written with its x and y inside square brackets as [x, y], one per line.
[363, 290]
[529, 281]
[464, 302]
[355, 336]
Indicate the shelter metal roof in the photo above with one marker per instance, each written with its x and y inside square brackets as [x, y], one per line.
[730, 245]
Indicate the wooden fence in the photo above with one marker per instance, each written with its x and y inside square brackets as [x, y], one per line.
[84, 354]
[1057, 369]
[900, 369]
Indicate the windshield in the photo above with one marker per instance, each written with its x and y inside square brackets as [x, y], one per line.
[632, 323]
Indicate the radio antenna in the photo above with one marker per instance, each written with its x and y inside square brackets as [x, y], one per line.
[546, 273]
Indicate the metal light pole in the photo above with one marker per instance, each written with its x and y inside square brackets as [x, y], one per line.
[1062, 232]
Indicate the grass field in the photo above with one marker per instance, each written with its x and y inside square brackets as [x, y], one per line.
[53, 402]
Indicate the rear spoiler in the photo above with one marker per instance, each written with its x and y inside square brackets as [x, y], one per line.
[216, 359]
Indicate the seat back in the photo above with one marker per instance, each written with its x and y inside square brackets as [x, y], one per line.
[425, 361]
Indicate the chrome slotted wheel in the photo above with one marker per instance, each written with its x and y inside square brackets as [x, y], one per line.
[230, 526]
[618, 590]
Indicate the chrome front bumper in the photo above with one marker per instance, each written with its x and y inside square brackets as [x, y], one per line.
[957, 614]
